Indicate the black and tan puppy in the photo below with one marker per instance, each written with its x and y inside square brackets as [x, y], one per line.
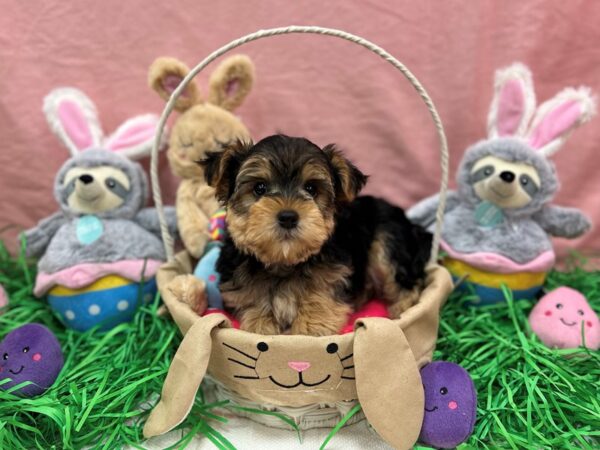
[302, 250]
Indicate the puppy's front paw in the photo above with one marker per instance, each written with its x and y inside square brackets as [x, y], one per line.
[190, 290]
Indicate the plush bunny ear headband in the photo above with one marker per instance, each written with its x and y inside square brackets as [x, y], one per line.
[514, 105]
[72, 116]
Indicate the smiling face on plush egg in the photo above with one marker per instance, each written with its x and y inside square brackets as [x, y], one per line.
[503, 183]
[30, 353]
[562, 316]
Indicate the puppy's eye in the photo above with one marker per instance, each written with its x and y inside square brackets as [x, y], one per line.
[311, 188]
[5, 356]
[262, 346]
[444, 390]
[260, 188]
[111, 183]
[580, 312]
[25, 349]
[332, 348]
[186, 144]
[559, 306]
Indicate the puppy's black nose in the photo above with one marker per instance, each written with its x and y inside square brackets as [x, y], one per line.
[507, 176]
[86, 179]
[288, 219]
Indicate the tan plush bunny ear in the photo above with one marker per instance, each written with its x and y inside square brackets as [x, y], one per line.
[558, 117]
[165, 74]
[513, 103]
[388, 382]
[231, 82]
[186, 372]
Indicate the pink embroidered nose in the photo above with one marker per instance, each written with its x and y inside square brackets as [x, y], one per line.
[299, 366]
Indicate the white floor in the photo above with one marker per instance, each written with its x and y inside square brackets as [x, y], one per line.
[245, 434]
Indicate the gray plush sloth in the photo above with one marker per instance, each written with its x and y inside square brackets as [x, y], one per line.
[500, 220]
[102, 226]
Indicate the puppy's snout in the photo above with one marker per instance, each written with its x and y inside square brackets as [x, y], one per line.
[86, 179]
[288, 219]
[507, 176]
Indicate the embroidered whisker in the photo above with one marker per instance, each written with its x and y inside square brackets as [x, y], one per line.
[346, 357]
[239, 351]
[241, 363]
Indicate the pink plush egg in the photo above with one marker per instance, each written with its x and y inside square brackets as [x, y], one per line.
[560, 315]
[3, 297]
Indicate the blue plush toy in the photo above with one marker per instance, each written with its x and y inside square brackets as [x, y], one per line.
[206, 268]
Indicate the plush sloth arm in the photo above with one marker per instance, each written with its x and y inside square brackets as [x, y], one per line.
[423, 213]
[148, 218]
[38, 238]
[562, 222]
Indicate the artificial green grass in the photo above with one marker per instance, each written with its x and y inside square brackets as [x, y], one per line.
[530, 397]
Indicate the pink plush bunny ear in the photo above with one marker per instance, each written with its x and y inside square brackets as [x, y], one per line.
[73, 118]
[556, 119]
[513, 103]
[134, 138]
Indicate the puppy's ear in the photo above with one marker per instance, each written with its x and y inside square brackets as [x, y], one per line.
[221, 168]
[349, 180]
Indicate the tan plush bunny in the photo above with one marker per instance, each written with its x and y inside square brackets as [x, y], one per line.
[203, 126]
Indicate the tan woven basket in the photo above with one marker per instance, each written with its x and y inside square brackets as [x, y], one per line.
[377, 365]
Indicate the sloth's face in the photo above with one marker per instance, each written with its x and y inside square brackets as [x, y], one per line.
[506, 184]
[94, 190]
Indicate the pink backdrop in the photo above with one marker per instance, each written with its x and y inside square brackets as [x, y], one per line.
[321, 88]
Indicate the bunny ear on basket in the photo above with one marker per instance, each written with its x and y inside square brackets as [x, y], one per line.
[72, 116]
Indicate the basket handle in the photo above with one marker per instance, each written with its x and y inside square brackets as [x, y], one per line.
[168, 239]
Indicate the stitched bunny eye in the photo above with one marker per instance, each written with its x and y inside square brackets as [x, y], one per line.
[332, 348]
[262, 346]
[580, 312]
[443, 390]
[559, 306]
[26, 350]
[5, 356]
